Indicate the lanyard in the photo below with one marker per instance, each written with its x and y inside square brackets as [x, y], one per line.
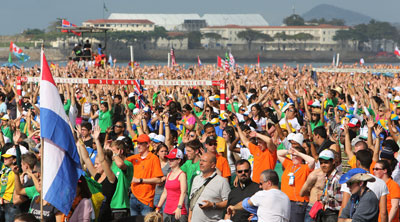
[296, 170]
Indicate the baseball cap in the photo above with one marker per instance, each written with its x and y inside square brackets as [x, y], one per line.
[143, 138]
[159, 139]
[175, 154]
[396, 98]
[5, 117]
[199, 104]
[13, 152]
[152, 136]
[316, 103]
[326, 155]
[354, 122]
[211, 139]
[296, 137]
[347, 176]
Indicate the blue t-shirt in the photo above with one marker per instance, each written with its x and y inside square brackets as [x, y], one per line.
[92, 153]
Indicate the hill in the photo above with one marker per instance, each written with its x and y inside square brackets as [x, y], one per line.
[329, 12]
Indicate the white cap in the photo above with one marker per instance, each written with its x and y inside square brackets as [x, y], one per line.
[296, 137]
[396, 98]
[264, 88]
[326, 155]
[135, 111]
[199, 104]
[13, 152]
[211, 98]
[286, 107]
[316, 103]
[131, 95]
[120, 138]
[159, 139]
[5, 117]
[152, 136]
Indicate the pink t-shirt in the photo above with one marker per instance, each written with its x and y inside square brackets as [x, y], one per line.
[173, 193]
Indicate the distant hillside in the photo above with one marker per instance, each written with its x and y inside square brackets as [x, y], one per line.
[329, 12]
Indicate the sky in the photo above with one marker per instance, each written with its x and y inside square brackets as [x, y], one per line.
[18, 15]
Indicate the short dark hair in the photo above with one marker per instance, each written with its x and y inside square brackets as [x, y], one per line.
[362, 143]
[365, 158]
[87, 125]
[270, 175]
[386, 166]
[208, 125]
[194, 144]
[118, 97]
[26, 217]
[30, 159]
[241, 162]
[321, 131]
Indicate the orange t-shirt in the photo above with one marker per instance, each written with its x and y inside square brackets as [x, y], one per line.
[394, 193]
[223, 166]
[263, 160]
[353, 160]
[148, 167]
[301, 173]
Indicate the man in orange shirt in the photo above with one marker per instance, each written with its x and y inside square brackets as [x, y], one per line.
[262, 148]
[146, 174]
[222, 162]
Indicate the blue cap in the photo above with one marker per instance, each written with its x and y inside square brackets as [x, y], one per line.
[346, 177]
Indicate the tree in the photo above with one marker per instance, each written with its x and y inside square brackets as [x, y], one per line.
[342, 36]
[294, 20]
[194, 40]
[321, 21]
[280, 36]
[159, 32]
[32, 32]
[303, 37]
[250, 35]
[213, 36]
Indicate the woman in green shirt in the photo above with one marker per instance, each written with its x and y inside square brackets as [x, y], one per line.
[105, 117]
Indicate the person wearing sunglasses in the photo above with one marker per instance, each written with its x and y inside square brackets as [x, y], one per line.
[363, 204]
[222, 162]
[297, 169]
[383, 170]
[246, 188]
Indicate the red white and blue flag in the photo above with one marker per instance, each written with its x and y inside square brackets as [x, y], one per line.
[67, 24]
[199, 61]
[397, 51]
[139, 93]
[231, 60]
[17, 51]
[61, 165]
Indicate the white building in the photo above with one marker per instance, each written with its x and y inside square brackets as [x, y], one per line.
[140, 25]
[322, 37]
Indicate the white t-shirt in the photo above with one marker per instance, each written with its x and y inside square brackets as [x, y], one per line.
[295, 124]
[273, 205]
[396, 171]
[260, 123]
[378, 187]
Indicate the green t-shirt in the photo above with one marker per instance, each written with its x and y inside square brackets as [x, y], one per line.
[31, 192]
[67, 106]
[191, 170]
[315, 125]
[7, 132]
[333, 102]
[120, 199]
[105, 120]
[235, 106]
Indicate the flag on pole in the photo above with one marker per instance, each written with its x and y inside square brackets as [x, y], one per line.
[219, 62]
[258, 60]
[66, 24]
[199, 61]
[231, 60]
[18, 52]
[61, 165]
[362, 61]
[104, 7]
[397, 51]
[110, 60]
[226, 62]
[138, 90]
[173, 62]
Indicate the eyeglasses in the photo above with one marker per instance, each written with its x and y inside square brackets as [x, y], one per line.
[191, 135]
[243, 110]
[291, 110]
[212, 144]
[243, 171]
[207, 110]
[376, 169]
[119, 126]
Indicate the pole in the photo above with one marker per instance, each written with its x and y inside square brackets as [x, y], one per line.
[41, 150]
[169, 59]
[337, 59]
[222, 95]
[132, 58]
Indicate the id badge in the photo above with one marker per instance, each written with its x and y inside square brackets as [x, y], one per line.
[291, 179]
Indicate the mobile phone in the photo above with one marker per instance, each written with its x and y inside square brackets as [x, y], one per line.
[200, 204]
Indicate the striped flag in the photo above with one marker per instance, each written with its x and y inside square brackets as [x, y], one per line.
[199, 61]
[397, 51]
[173, 62]
[231, 60]
[139, 93]
[258, 60]
[61, 164]
[362, 61]
[226, 62]
[67, 24]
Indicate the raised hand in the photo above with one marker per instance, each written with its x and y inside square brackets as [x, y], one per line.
[96, 132]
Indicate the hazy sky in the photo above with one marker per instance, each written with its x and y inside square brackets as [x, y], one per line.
[17, 15]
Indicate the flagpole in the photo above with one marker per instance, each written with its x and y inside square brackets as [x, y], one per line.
[41, 148]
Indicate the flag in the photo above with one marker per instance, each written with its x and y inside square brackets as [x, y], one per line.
[139, 93]
[104, 7]
[219, 61]
[334, 60]
[258, 60]
[231, 60]
[52, 65]
[198, 61]
[173, 62]
[67, 24]
[18, 52]
[110, 60]
[97, 196]
[61, 165]
[362, 61]
[397, 51]
[226, 62]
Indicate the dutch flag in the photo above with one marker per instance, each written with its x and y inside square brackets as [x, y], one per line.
[61, 165]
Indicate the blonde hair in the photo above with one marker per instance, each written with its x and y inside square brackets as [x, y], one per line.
[153, 217]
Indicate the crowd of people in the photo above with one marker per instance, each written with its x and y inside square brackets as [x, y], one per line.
[292, 145]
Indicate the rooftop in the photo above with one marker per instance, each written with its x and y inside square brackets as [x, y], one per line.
[124, 21]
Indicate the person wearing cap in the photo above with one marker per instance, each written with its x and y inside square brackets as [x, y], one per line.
[198, 108]
[175, 189]
[223, 122]
[209, 130]
[297, 168]
[264, 151]
[316, 115]
[363, 204]
[146, 174]
[222, 163]
[383, 170]
[208, 204]
[323, 185]
[379, 187]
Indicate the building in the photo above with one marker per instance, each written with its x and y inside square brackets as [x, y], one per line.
[319, 38]
[194, 22]
[139, 25]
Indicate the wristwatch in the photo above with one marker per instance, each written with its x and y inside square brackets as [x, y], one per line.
[180, 206]
[140, 180]
[214, 206]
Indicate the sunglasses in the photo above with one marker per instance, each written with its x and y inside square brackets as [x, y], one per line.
[376, 169]
[191, 135]
[119, 126]
[242, 109]
[207, 110]
[315, 114]
[243, 171]
[212, 144]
